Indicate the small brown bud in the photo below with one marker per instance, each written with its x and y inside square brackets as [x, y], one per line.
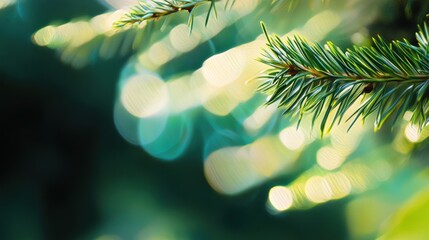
[368, 88]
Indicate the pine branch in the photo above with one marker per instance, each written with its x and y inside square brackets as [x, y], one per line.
[306, 78]
[155, 9]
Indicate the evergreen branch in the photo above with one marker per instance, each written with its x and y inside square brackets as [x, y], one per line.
[155, 9]
[390, 78]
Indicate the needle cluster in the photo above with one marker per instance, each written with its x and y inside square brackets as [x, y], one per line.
[388, 79]
[153, 10]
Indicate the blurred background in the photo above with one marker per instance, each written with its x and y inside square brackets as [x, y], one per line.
[158, 133]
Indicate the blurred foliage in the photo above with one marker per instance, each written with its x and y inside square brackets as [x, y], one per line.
[215, 164]
[410, 222]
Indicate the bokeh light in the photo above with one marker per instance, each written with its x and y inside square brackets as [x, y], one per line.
[292, 138]
[144, 95]
[329, 158]
[6, 3]
[340, 185]
[412, 133]
[81, 40]
[281, 198]
[223, 69]
[171, 142]
[318, 189]
[232, 170]
[190, 100]
[126, 124]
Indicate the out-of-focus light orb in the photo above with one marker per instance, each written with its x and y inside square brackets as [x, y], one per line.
[181, 40]
[6, 3]
[220, 139]
[221, 104]
[126, 124]
[408, 115]
[340, 185]
[223, 69]
[259, 118]
[268, 156]
[412, 133]
[358, 38]
[281, 198]
[300, 200]
[103, 23]
[144, 95]
[169, 140]
[183, 96]
[231, 170]
[318, 190]
[361, 176]
[345, 140]
[329, 158]
[159, 53]
[402, 145]
[292, 138]
[86, 33]
[44, 36]
[227, 172]
[71, 34]
[384, 170]
[320, 25]
[150, 128]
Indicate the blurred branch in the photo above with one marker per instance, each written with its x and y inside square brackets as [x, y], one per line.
[80, 41]
[309, 78]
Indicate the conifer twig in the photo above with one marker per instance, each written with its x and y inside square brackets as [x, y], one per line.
[155, 9]
[393, 78]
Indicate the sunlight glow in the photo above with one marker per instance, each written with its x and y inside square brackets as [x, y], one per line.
[126, 124]
[6, 3]
[340, 185]
[320, 25]
[292, 138]
[181, 40]
[412, 133]
[144, 95]
[259, 118]
[183, 96]
[329, 158]
[281, 198]
[78, 40]
[220, 105]
[232, 170]
[168, 138]
[159, 53]
[318, 189]
[223, 69]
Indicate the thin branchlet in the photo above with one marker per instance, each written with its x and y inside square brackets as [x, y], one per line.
[152, 10]
[389, 79]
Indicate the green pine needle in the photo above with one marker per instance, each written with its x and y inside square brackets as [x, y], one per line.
[155, 9]
[307, 78]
